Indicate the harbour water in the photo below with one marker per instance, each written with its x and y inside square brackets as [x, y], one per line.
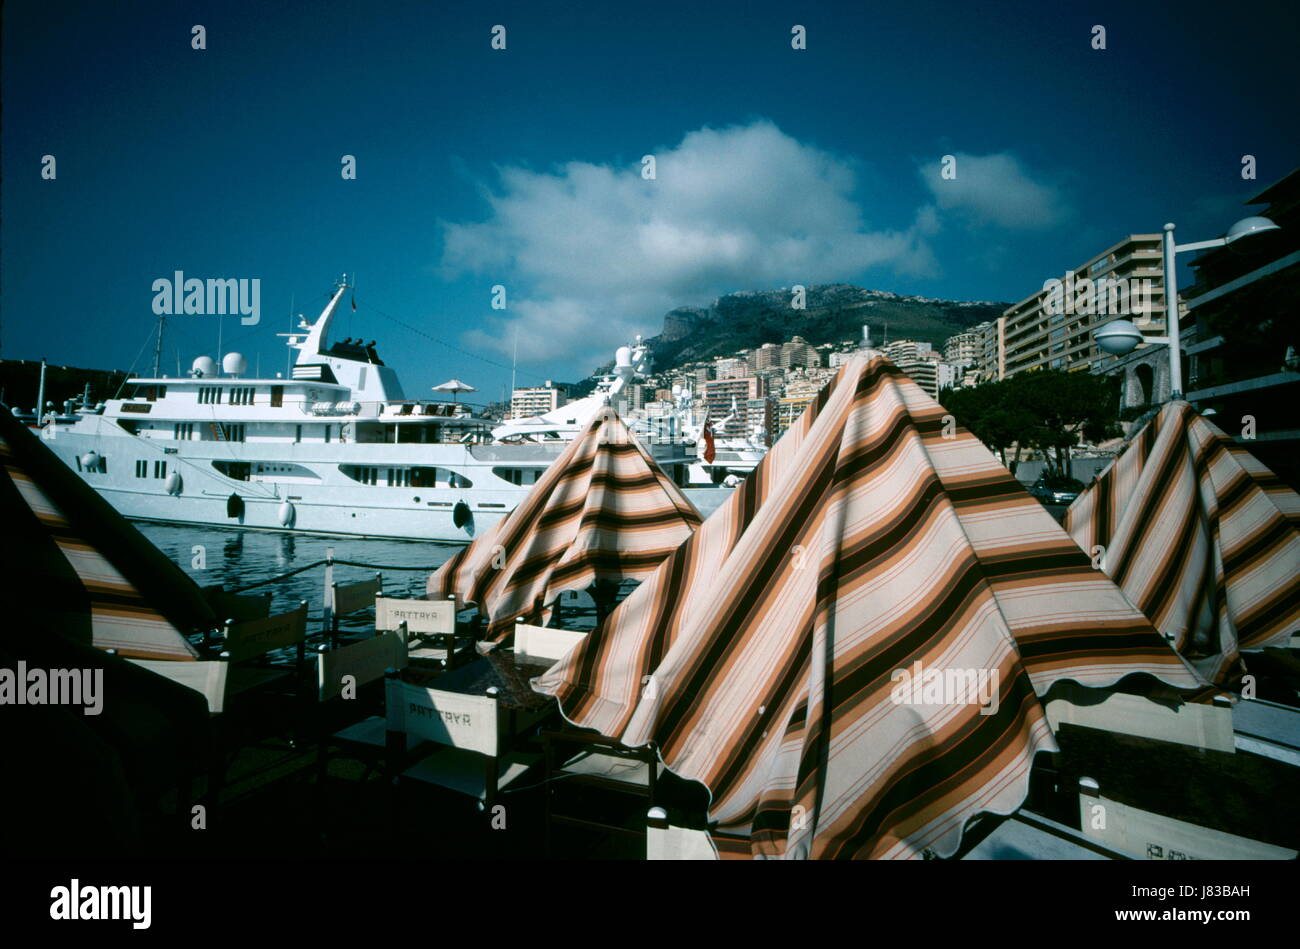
[237, 558]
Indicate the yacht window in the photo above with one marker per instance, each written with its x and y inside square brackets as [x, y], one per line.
[160, 469]
[141, 468]
[433, 477]
[277, 396]
[238, 470]
[362, 473]
[327, 432]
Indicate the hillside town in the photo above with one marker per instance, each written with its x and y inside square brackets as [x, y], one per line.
[761, 391]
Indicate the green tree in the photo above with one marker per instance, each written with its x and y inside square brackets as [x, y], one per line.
[1048, 410]
[1066, 407]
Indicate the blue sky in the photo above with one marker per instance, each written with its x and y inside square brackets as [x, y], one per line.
[521, 167]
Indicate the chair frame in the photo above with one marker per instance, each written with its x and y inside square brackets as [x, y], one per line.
[647, 754]
[365, 593]
[420, 633]
[487, 743]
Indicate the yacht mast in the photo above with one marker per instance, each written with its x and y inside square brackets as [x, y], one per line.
[157, 348]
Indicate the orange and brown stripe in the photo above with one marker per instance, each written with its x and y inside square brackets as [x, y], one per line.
[122, 618]
[604, 510]
[762, 656]
[1203, 538]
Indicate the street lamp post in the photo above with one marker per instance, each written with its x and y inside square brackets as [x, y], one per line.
[1171, 314]
[1120, 337]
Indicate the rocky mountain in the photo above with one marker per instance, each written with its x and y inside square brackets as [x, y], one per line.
[833, 312]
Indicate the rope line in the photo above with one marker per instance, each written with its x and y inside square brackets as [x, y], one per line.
[321, 563]
[380, 566]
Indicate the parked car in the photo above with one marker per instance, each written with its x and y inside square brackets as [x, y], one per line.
[1056, 489]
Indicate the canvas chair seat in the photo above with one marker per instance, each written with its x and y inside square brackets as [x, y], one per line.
[371, 732]
[461, 770]
[608, 767]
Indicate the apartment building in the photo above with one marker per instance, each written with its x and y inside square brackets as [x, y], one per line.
[993, 361]
[731, 368]
[721, 394]
[965, 349]
[1052, 328]
[534, 400]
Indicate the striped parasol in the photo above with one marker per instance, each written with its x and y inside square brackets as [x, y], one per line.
[815, 654]
[84, 560]
[602, 511]
[1200, 536]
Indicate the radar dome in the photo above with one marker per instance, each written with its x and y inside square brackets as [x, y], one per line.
[234, 364]
[204, 366]
[623, 356]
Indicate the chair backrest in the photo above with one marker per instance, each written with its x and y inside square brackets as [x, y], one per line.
[256, 637]
[364, 661]
[240, 607]
[542, 642]
[471, 722]
[350, 597]
[420, 616]
[206, 676]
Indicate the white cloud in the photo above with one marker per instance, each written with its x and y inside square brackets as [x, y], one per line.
[995, 189]
[592, 254]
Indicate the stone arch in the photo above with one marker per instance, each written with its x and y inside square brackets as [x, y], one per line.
[1145, 378]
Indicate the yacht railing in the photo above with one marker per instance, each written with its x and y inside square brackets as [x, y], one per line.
[393, 409]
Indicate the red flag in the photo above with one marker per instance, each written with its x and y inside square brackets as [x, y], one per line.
[709, 453]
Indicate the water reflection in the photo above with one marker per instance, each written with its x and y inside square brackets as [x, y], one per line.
[249, 556]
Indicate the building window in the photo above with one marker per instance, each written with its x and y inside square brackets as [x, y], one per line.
[141, 468]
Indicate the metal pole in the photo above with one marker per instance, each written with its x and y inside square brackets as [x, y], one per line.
[40, 396]
[1171, 315]
[157, 349]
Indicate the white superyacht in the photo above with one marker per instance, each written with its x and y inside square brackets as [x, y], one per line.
[335, 449]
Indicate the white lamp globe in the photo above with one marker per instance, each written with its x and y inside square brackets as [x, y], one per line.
[1118, 337]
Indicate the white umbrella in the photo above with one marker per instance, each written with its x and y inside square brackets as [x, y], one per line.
[455, 387]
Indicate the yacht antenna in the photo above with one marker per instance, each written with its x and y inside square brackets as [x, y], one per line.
[288, 356]
[157, 349]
